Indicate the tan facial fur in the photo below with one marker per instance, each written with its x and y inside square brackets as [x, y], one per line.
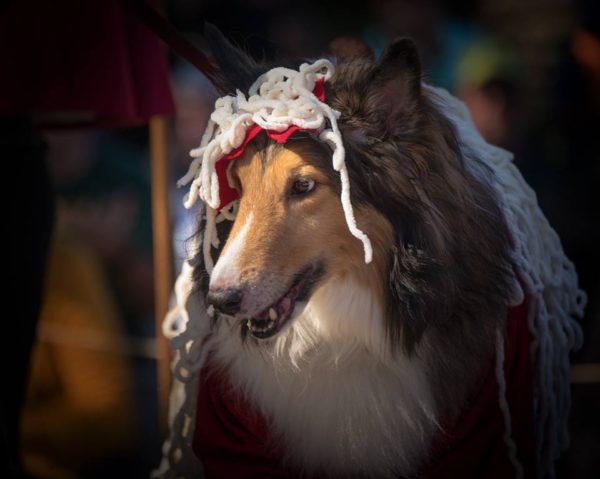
[284, 233]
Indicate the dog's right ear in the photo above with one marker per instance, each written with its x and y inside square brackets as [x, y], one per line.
[400, 63]
[237, 69]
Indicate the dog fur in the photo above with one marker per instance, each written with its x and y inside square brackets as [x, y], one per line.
[380, 354]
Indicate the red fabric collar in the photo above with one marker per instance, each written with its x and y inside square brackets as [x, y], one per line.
[232, 439]
[227, 193]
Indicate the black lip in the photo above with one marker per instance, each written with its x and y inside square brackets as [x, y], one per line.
[314, 274]
[309, 276]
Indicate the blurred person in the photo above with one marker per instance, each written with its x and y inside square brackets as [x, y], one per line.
[79, 412]
[487, 80]
[106, 176]
[80, 415]
[116, 218]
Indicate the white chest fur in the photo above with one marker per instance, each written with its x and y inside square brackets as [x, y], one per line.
[334, 402]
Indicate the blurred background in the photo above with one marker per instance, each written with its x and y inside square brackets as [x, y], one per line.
[81, 80]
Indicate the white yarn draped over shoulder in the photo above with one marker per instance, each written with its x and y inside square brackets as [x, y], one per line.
[550, 288]
[277, 100]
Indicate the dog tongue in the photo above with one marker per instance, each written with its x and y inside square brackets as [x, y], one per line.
[280, 310]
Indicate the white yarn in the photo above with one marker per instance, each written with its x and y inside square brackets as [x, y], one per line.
[277, 100]
[549, 278]
[550, 281]
[187, 326]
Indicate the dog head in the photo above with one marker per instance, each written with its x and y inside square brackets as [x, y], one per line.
[439, 241]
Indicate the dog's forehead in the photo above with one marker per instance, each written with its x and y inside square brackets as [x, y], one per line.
[277, 160]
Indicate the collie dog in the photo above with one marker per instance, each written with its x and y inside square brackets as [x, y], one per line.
[357, 368]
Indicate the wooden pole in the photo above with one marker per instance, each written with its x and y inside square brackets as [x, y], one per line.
[163, 264]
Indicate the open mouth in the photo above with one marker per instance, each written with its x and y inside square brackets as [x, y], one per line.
[273, 318]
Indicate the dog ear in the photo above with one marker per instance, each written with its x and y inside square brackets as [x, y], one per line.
[395, 82]
[400, 67]
[238, 70]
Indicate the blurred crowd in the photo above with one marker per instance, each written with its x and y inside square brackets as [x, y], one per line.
[529, 72]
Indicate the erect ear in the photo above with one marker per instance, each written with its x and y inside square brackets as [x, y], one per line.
[396, 80]
[237, 69]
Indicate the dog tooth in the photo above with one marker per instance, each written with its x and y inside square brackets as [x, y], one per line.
[272, 314]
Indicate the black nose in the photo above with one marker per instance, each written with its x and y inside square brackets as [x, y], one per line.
[227, 301]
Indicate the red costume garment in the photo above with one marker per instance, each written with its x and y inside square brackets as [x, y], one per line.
[232, 438]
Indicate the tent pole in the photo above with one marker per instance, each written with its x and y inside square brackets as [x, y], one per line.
[163, 264]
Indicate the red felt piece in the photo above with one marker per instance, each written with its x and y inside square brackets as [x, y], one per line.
[227, 193]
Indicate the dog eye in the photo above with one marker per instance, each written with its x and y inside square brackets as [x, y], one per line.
[303, 186]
